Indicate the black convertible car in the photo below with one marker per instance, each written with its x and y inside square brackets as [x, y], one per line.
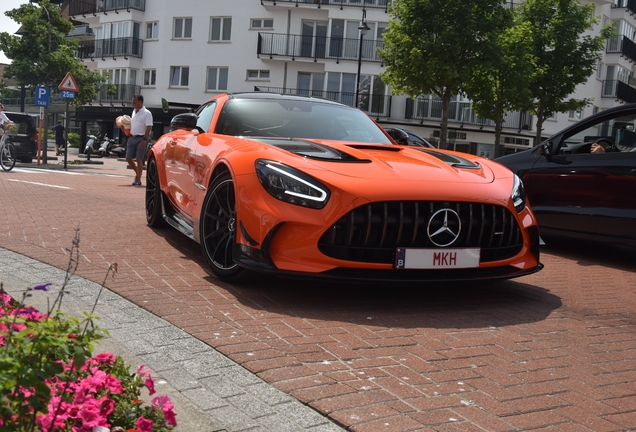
[577, 189]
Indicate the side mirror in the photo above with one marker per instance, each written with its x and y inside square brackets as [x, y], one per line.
[546, 150]
[399, 136]
[184, 121]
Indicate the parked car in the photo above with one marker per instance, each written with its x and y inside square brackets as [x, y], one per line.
[407, 137]
[25, 140]
[306, 187]
[576, 193]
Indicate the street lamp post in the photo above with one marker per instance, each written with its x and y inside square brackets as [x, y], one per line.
[364, 28]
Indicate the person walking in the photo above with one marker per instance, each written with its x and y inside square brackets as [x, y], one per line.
[140, 129]
[60, 138]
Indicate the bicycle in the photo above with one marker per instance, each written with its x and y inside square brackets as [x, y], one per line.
[7, 149]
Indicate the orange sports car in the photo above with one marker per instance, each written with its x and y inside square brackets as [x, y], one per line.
[306, 187]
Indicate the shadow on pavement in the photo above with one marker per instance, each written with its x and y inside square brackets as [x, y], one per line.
[587, 253]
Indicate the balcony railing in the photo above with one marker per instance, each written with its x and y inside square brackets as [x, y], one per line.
[317, 47]
[368, 4]
[461, 112]
[623, 45]
[630, 5]
[619, 90]
[116, 47]
[121, 93]
[30, 101]
[374, 105]
[86, 7]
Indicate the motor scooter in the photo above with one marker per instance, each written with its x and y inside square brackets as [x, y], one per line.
[92, 145]
[117, 149]
[105, 146]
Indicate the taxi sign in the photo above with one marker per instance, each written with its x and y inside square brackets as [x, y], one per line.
[68, 83]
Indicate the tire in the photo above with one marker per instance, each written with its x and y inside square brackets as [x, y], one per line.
[7, 156]
[154, 214]
[217, 230]
[26, 160]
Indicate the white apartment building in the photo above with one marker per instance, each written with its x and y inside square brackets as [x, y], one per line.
[186, 51]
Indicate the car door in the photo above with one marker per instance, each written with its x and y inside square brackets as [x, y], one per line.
[577, 191]
[181, 162]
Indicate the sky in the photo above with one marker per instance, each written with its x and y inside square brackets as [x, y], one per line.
[6, 23]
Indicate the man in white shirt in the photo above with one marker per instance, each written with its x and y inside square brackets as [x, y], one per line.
[140, 130]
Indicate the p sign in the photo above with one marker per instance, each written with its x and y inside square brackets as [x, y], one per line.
[42, 96]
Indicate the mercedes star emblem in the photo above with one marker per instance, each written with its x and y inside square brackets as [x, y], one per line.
[444, 227]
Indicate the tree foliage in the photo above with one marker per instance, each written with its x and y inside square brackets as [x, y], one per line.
[433, 46]
[565, 55]
[41, 53]
[501, 83]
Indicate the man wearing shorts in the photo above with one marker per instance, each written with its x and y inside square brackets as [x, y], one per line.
[140, 129]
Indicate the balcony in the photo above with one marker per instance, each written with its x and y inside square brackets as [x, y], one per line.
[116, 47]
[630, 5]
[622, 45]
[368, 4]
[120, 94]
[619, 90]
[375, 105]
[82, 31]
[461, 113]
[92, 7]
[317, 47]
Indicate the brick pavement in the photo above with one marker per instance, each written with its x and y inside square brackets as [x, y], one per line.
[551, 351]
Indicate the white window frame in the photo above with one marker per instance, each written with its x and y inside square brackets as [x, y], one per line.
[576, 115]
[257, 75]
[180, 70]
[218, 84]
[184, 26]
[153, 26]
[151, 74]
[260, 24]
[224, 22]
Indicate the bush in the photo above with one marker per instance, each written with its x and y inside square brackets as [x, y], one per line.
[73, 140]
[50, 381]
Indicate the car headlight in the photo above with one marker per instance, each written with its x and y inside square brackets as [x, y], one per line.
[518, 194]
[290, 185]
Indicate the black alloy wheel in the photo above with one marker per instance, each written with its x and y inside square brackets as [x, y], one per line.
[218, 229]
[154, 216]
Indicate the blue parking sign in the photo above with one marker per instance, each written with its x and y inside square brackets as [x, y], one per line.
[42, 96]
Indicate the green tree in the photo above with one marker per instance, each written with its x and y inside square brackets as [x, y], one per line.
[433, 46]
[42, 54]
[501, 83]
[565, 55]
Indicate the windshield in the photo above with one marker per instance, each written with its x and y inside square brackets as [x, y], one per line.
[295, 118]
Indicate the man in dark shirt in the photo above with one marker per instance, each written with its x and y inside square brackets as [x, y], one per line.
[60, 138]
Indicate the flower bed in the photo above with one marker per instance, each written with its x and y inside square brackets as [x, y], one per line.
[50, 380]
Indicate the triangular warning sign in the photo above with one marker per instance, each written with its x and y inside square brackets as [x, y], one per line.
[68, 83]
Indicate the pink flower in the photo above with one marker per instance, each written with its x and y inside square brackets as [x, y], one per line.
[150, 384]
[166, 406]
[142, 372]
[90, 416]
[143, 424]
[107, 358]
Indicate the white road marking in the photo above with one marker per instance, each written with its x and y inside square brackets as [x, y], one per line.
[39, 184]
[48, 171]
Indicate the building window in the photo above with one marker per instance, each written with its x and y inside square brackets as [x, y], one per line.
[599, 70]
[152, 31]
[182, 28]
[220, 29]
[576, 115]
[262, 24]
[179, 76]
[257, 75]
[150, 77]
[217, 78]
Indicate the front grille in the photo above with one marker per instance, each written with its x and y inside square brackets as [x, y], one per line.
[371, 233]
